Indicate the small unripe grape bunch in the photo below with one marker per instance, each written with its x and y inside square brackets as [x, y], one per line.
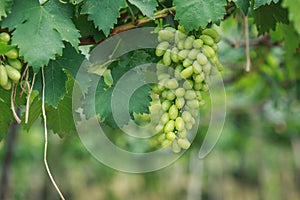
[183, 73]
[10, 64]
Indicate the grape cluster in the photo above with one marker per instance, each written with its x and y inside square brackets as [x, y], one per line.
[183, 72]
[10, 65]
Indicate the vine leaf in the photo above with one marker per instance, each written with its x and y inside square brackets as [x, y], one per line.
[194, 14]
[44, 27]
[293, 6]
[5, 112]
[55, 77]
[103, 13]
[60, 119]
[139, 101]
[267, 16]
[147, 7]
[258, 3]
[243, 5]
[5, 7]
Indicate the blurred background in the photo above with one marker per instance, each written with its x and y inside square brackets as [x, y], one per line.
[256, 158]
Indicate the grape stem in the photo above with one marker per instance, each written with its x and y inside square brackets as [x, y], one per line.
[46, 138]
[247, 47]
[140, 22]
[12, 103]
[30, 88]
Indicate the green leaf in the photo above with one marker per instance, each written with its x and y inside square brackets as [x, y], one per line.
[194, 14]
[293, 7]
[60, 119]
[103, 13]
[243, 5]
[140, 99]
[55, 80]
[6, 116]
[266, 17]
[5, 7]
[55, 77]
[290, 37]
[258, 3]
[147, 7]
[40, 30]
[35, 111]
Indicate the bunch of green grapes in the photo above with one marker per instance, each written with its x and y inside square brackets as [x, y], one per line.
[10, 65]
[183, 73]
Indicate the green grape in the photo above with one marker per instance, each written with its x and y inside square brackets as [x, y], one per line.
[183, 54]
[177, 71]
[188, 43]
[169, 127]
[179, 92]
[171, 95]
[173, 112]
[193, 103]
[179, 36]
[170, 136]
[197, 86]
[166, 144]
[215, 47]
[175, 147]
[202, 59]
[163, 77]
[7, 86]
[164, 94]
[197, 69]
[198, 43]
[187, 72]
[189, 126]
[180, 44]
[183, 143]
[166, 35]
[198, 78]
[179, 102]
[182, 134]
[207, 68]
[190, 94]
[186, 116]
[193, 54]
[187, 62]
[172, 84]
[12, 54]
[174, 54]
[188, 84]
[167, 58]
[161, 48]
[4, 37]
[212, 33]
[164, 118]
[12, 73]
[208, 51]
[207, 40]
[3, 76]
[166, 105]
[179, 124]
[15, 63]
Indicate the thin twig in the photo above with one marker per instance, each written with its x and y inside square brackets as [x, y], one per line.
[247, 43]
[28, 98]
[12, 103]
[46, 138]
